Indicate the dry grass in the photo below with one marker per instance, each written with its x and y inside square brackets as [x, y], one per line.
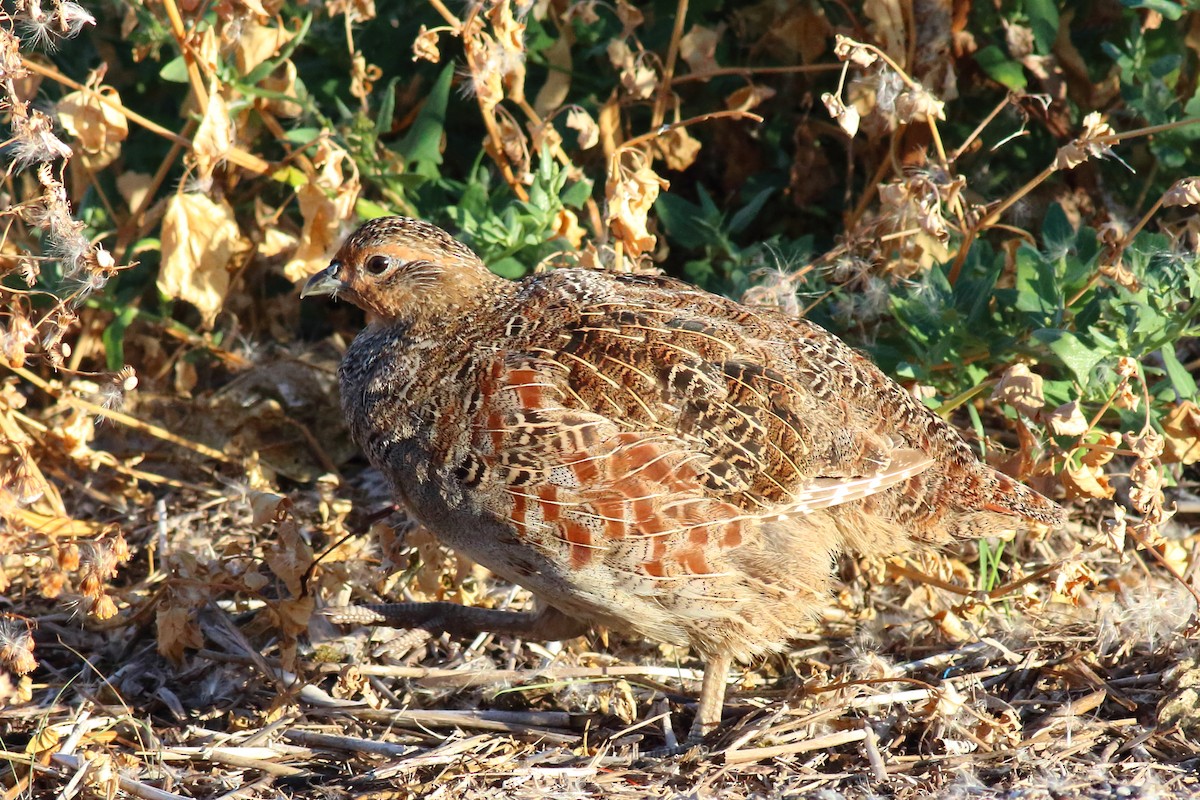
[906, 689]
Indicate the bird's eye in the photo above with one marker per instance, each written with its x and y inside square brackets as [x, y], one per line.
[377, 265]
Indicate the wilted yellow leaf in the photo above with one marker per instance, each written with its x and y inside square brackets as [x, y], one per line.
[631, 193]
[324, 204]
[1021, 389]
[558, 80]
[636, 76]
[1068, 420]
[288, 556]
[1085, 481]
[255, 43]
[98, 127]
[134, 186]
[425, 46]
[1185, 192]
[177, 630]
[677, 148]
[283, 81]
[748, 97]
[699, 48]
[1101, 451]
[1182, 429]
[582, 122]
[214, 136]
[200, 239]
[568, 227]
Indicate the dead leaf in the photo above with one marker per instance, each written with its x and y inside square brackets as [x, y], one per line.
[200, 240]
[568, 228]
[637, 78]
[582, 122]
[1088, 145]
[847, 116]
[1073, 578]
[1068, 420]
[283, 81]
[425, 47]
[214, 136]
[325, 203]
[699, 49]
[748, 97]
[288, 556]
[609, 122]
[1181, 427]
[177, 631]
[134, 187]
[558, 80]
[267, 507]
[630, 17]
[254, 43]
[1100, 452]
[677, 148]
[1021, 389]
[1086, 481]
[1146, 443]
[98, 127]
[631, 193]
[1185, 192]
[887, 27]
[510, 37]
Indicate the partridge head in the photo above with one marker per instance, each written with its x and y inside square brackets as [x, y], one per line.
[639, 453]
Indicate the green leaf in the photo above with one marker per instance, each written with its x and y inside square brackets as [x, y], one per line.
[1000, 68]
[302, 136]
[1167, 8]
[423, 142]
[387, 108]
[174, 71]
[367, 209]
[1181, 380]
[575, 195]
[507, 268]
[114, 338]
[1037, 286]
[747, 214]
[681, 219]
[1073, 352]
[1057, 232]
[1043, 18]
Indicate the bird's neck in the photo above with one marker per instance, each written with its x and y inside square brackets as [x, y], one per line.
[457, 295]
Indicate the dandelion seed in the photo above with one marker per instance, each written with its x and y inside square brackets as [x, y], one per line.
[33, 141]
[888, 87]
[36, 26]
[72, 18]
[16, 646]
[85, 283]
[11, 66]
[112, 396]
[876, 296]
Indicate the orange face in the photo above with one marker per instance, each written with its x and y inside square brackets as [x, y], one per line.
[400, 269]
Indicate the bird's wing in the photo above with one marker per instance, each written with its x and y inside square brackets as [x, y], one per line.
[642, 424]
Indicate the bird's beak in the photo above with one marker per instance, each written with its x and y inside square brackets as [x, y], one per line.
[324, 282]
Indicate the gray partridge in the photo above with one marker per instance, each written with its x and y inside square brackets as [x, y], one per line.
[638, 453]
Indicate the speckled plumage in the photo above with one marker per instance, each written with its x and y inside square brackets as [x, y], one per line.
[639, 453]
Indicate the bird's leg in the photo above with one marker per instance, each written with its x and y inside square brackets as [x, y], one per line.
[547, 624]
[712, 697]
